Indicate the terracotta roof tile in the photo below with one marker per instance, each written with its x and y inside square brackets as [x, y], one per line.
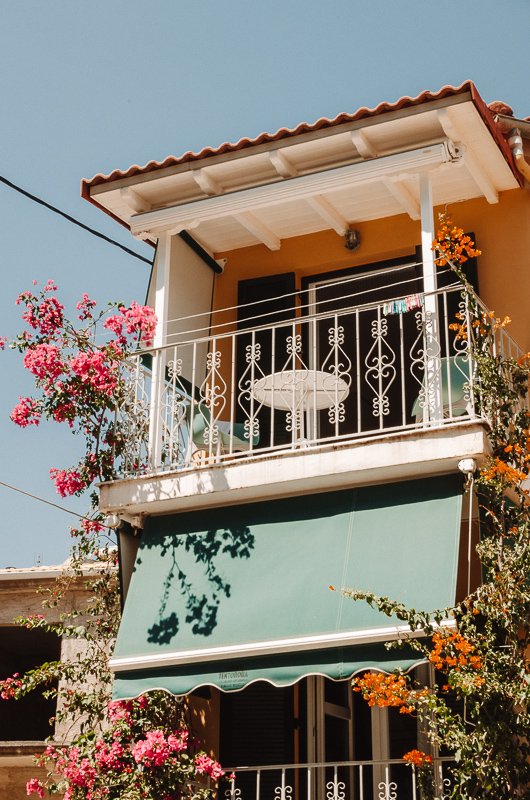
[305, 127]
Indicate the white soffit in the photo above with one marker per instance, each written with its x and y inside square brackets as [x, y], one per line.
[186, 216]
[203, 197]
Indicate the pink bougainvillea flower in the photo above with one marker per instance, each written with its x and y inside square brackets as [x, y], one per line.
[47, 317]
[109, 757]
[135, 319]
[64, 412]
[81, 774]
[44, 361]
[85, 306]
[153, 751]
[91, 526]
[9, 687]
[119, 710]
[204, 765]
[3, 342]
[115, 324]
[95, 370]
[26, 412]
[68, 481]
[34, 786]
[178, 741]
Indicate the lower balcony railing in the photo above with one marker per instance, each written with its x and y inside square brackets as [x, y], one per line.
[346, 780]
[361, 371]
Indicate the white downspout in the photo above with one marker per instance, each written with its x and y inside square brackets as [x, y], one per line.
[515, 140]
[514, 128]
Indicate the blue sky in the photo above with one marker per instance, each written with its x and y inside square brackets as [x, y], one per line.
[89, 87]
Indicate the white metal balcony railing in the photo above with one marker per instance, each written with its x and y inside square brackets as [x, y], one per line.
[347, 780]
[361, 371]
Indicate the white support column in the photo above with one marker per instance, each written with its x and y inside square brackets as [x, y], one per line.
[380, 750]
[163, 264]
[433, 409]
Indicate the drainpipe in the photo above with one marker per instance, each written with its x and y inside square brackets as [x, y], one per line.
[515, 140]
[514, 128]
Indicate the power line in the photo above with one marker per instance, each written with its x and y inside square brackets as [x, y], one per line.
[75, 221]
[42, 500]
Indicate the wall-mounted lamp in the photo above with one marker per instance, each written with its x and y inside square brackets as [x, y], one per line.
[352, 239]
[467, 465]
[112, 521]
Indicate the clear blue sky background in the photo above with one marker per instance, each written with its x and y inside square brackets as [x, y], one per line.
[89, 87]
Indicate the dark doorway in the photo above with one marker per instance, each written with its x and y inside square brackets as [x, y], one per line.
[27, 719]
[375, 348]
[257, 729]
[263, 302]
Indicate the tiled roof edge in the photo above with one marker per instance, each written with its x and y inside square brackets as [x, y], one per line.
[304, 127]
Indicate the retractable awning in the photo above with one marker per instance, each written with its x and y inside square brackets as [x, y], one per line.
[228, 596]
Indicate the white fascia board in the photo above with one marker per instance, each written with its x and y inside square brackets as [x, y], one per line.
[189, 215]
[386, 633]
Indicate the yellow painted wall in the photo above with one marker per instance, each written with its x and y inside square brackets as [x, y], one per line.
[502, 233]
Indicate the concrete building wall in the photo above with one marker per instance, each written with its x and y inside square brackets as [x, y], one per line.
[21, 595]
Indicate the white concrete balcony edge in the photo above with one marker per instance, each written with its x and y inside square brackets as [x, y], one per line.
[386, 458]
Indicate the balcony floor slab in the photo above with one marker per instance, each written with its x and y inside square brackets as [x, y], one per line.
[382, 459]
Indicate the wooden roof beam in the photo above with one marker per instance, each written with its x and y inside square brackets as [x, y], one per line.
[282, 165]
[362, 143]
[134, 200]
[257, 228]
[328, 213]
[206, 183]
[403, 195]
[452, 129]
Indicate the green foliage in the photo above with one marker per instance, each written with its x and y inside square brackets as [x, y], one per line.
[484, 660]
[138, 749]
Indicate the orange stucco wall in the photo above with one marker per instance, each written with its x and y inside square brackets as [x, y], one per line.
[502, 233]
[204, 721]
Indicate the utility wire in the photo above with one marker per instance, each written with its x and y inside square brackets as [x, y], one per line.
[73, 219]
[211, 328]
[48, 502]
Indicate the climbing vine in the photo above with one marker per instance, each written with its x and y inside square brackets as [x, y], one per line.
[482, 660]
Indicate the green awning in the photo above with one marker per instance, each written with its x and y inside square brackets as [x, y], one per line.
[228, 596]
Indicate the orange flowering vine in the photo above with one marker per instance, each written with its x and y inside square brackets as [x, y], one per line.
[417, 758]
[453, 651]
[486, 322]
[386, 690]
[500, 469]
[452, 243]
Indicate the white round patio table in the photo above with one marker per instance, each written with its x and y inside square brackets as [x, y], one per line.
[300, 390]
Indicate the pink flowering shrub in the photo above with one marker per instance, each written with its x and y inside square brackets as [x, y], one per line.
[9, 687]
[26, 412]
[205, 765]
[136, 749]
[79, 379]
[34, 786]
[144, 751]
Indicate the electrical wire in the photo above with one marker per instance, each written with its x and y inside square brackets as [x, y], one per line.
[292, 308]
[296, 293]
[75, 221]
[47, 502]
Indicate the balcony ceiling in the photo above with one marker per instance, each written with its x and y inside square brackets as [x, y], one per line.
[324, 179]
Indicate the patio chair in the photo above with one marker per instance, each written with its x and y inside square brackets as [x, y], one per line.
[457, 402]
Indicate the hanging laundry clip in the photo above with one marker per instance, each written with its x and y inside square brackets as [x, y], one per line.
[403, 305]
